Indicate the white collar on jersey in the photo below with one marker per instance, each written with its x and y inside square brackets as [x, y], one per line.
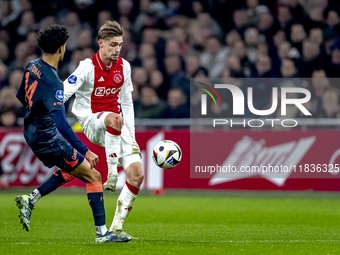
[100, 63]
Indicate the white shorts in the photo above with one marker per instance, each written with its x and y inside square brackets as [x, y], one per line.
[95, 130]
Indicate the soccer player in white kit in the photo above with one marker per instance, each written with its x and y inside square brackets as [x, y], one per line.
[101, 84]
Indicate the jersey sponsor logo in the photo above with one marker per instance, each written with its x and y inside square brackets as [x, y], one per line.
[102, 91]
[99, 92]
[59, 95]
[117, 78]
[101, 79]
[72, 79]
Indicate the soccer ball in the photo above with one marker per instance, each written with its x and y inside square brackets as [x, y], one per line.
[167, 154]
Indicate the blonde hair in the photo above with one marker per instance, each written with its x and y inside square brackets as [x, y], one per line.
[110, 29]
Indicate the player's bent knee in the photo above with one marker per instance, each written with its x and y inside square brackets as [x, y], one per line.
[95, 176]
[137, 179]
[89, 175]
[111, 120]
[134, 174]
[116, 126]
[140, 178]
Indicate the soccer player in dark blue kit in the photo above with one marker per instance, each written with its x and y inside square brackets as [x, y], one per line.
[45, 124]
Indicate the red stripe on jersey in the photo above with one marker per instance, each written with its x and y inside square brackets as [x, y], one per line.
[107, 85]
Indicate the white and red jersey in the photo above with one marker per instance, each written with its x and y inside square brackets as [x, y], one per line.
[99, 88]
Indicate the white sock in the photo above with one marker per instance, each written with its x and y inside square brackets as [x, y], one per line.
[125, 202]
[112, 168]
[101, 230]
[35, 196]
[112, 145]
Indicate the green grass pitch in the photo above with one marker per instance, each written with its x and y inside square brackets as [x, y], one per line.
[184, 222]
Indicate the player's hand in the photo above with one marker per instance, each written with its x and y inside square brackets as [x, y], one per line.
[92, 158]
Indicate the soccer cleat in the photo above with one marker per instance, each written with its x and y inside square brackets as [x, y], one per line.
[110, 184]
[25, 206]
[108, 237]
[121, 232]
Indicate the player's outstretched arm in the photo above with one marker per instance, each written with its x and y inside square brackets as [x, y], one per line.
[67, 132]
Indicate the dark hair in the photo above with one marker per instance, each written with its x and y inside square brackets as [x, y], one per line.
[51, 38]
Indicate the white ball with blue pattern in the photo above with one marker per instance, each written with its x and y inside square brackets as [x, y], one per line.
[167, 154]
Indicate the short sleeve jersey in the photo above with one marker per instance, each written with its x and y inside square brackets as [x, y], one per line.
[41, 92]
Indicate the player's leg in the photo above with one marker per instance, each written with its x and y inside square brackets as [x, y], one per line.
[104, 128]
[94, 189]
[25, 210]
[128, 195]
[67, 158]
[61, 177]
[57, 179]
[113, 123]
[26, 203]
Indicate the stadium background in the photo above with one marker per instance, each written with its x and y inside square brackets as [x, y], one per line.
[167, 43]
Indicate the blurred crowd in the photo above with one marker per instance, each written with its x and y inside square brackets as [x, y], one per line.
[168, 42]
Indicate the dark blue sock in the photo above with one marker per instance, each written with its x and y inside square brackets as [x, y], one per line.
[57, 179]
[96, 201]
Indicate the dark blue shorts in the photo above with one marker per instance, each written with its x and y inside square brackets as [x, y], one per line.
[62, 155]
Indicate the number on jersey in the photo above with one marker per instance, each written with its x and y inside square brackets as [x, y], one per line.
[29, 89]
